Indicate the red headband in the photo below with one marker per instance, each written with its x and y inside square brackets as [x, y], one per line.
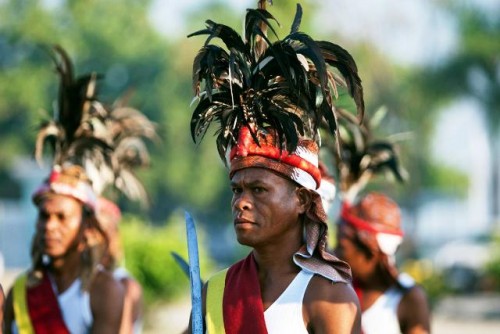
[301, 165]
[360, 224]
[80, 190]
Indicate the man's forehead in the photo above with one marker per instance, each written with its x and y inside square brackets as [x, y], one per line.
[58, 202]
[257, 175]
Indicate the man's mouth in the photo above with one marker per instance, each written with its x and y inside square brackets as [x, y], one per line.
[242, 221]
[50, 241]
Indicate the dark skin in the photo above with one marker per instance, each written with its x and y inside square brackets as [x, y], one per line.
[62, 228]
[413, 311]
[132, 307]
[267, 212]
[2, 299]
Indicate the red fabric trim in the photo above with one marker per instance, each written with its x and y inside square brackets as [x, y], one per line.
[357, 290]
[247, 147]
[54, 176]
[43, 308]
[359, 293]
[361, 224]
[243, 311]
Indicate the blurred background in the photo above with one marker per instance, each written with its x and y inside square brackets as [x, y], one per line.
[434, 66]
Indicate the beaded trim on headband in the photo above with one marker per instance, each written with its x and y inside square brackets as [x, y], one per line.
[387, 240]
[361, 224]
[300, 165]
[81, 190]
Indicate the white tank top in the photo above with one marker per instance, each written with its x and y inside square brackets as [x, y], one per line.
[285, 314]
[75, 308]
[382, 316]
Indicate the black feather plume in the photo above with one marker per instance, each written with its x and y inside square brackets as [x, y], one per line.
[71, 124]
[288, 84]
[361, 157]
[106, 141]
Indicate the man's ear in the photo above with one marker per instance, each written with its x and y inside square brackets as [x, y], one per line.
[305, 198]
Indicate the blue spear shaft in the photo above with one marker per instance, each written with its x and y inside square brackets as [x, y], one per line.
[194, 276]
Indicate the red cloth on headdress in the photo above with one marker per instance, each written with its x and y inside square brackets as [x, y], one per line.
[109, 211]
[267, 154]
[351, 215]
[58, 183]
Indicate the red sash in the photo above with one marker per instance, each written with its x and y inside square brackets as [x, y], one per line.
[242, 307]
[43, 308]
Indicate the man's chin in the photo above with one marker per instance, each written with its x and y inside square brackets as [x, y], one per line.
[244, 240]
[53, 254]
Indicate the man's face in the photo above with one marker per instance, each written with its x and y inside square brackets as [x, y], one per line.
[265, 207]
[59, 224]
[347, 249]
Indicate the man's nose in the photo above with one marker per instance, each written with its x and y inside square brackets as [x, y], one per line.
[49, 223]
[242, 201]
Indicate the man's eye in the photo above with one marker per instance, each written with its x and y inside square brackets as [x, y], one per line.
[236, 190]
[258, 190]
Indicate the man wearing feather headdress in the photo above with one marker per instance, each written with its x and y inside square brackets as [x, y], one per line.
[67, 290]
[270, 99]
[369, 232]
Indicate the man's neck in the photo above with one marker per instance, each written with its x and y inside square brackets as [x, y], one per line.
[276, 269]
[66, 269]
[277, 259]
[373, 287]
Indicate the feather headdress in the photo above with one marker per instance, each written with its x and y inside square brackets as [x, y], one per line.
[287, 85]
[269, 98]
[106, 143]
[362, 156]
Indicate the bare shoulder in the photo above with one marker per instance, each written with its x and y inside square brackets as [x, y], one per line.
[105, 286]
[415, 296]
[321, 288]
[331, 307]
[106, 302]
[133, 289]
[414, 312]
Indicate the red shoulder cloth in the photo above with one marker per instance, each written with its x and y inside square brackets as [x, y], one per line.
[43, 308]
[242, 304]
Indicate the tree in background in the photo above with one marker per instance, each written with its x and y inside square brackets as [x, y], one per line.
[473, 71]
[132, 56]
[118, 40]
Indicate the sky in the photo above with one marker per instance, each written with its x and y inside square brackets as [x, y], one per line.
[410, 31]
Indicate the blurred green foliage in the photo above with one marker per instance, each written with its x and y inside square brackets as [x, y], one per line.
[435, 288]
[148, 256]
[432, 281]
